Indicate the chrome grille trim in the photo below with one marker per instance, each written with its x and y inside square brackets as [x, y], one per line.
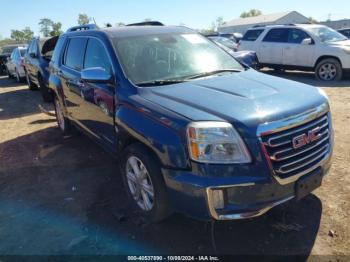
[274, 158]
[323, 149]
[295, 131]
[294, 163]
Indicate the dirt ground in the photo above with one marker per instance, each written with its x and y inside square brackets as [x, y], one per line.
[64, 196]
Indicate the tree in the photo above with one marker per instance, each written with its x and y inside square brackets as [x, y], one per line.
[120, 24]
[217, 23]
[83, 19]
[28, 34]
[313, 20]
[250, 13]
[45, 26]
[22, 36]
[56, 29]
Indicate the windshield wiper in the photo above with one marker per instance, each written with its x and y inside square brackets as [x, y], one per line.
[213, 73]
[161, 82]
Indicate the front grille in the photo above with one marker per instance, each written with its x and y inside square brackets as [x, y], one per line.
[285, 159]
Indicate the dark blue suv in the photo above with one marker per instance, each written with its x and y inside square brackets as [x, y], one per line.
[195, 131]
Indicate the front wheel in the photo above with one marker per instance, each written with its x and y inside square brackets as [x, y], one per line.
[329, 70]
[30, 84]
[144, 183]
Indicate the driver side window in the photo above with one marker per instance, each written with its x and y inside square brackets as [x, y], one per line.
[96, 55]
[296, 36]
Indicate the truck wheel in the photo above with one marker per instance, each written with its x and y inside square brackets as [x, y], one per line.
[329, 69]
[44, 90]
[62, 121]
[144, 183]
[18, 77]
[30, 84]
[9, 74]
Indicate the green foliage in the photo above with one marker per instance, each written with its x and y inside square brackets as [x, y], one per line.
[45, 26]
[83, 19]
[313, 20]
[120, 24]
[56, 29]
[6, 41]
[250, 13]
[22, 36]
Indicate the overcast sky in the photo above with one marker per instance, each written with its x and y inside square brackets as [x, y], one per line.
[17, 14]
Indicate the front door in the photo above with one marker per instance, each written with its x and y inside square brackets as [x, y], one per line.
[98, 98]
[295, 53]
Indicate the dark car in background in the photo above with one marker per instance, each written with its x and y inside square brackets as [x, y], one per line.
[345, 31]
[6, 52]
[36, 63]
[195, 131]
[249, 58]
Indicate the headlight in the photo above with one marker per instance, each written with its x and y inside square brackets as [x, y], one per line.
[347, 50]
[216, 142]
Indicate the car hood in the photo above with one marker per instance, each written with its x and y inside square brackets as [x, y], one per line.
[341, 43]
[244, 99]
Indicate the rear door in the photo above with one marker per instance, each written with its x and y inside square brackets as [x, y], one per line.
[248, 42]
[271, 49]
[10, 63]
[98, 98]
[70, 76]
[295, 53]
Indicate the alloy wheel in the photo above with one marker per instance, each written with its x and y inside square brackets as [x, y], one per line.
[140, 183]
[327, 71]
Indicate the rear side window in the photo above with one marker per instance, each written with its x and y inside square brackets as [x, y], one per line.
[277, 35]
[58, 50]
[252, 35]
[75, 53]
[96, 55]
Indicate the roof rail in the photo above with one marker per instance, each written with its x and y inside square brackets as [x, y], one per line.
[291, 24]
[153, 23]
[82, 28]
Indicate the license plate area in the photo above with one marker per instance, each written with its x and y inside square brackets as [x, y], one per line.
[306, 185]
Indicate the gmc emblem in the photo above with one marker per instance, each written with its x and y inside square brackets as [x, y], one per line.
[304, 139]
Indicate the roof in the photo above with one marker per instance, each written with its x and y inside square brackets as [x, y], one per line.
[130, 31]
[257, 19]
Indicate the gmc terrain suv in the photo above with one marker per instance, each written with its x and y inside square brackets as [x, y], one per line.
[304, 46]
[195, 131]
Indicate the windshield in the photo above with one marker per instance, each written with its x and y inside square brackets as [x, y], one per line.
[170, 57]
[327, 34]
[224, 41]
[8, 49]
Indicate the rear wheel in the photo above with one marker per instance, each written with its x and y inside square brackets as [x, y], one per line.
[144, 183]
[62, 121]
[44, 90]
[18, 77]
[9, 74]
[329, 69]
[30, 84]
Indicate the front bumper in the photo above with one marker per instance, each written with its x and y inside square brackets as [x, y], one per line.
[244, 196]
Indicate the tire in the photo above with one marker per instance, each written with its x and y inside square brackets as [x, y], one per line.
[62, 122]
[44, 90]
[18, 77]
[30, 84]
[157, 208]
[9, 74]
[329, 69]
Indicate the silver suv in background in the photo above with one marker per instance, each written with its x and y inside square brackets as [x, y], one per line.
[308, 47]
[14, 64]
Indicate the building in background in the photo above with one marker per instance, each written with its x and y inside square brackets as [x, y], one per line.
[336, 25]
[243, 24]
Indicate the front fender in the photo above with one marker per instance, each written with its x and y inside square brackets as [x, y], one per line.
[163, 135]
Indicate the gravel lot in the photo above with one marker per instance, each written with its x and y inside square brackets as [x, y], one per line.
[64, 196]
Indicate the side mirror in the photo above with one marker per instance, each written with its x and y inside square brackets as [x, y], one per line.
[307, 41]
[32, 55]
[95, 75]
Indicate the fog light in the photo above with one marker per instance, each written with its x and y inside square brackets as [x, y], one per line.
[218, 199]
